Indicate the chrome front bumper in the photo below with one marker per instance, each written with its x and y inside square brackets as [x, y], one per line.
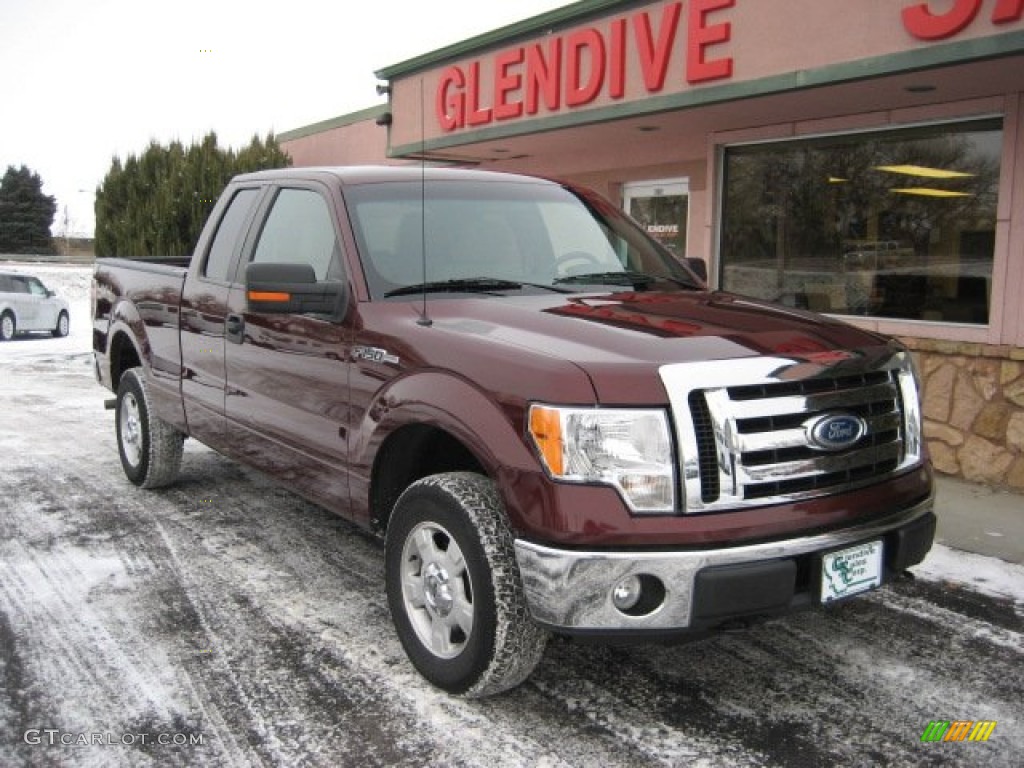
[571, 590]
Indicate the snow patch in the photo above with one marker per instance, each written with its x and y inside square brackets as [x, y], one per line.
[987, 575]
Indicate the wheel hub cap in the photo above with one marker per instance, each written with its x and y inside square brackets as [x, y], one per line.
[437, 592]
[437, 589]
[131, 430]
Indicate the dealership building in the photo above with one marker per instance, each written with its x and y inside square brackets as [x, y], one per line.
[865, 160]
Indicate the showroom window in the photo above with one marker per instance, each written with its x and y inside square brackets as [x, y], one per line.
[895, 224]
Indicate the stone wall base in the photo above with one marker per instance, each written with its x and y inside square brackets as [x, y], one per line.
[973, 402]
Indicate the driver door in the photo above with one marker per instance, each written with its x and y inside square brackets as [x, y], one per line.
[287, 375]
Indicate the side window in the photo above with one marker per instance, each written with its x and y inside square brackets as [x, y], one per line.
[218, 260]
[20, 285]
[36, 288]
[6, 284]
[299, 230]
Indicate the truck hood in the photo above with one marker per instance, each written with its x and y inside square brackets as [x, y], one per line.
[620, 339]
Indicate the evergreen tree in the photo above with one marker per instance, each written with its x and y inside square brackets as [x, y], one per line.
[157, 203]
[261, 154]
[25, 213]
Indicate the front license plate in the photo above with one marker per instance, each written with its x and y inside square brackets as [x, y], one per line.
[850, 571]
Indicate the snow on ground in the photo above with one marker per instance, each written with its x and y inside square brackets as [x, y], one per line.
[986, 575]
[227, 608]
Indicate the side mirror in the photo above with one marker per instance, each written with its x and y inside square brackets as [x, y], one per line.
[698, 267]
[292, 289]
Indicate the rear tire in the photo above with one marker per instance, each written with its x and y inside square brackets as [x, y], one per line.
[454, 588]
[8, 327]
[150, 448]
[63, 326]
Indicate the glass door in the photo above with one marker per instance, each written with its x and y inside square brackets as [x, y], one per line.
[662, 208]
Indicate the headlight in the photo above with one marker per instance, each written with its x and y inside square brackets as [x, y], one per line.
[910, 392]
[629, 449]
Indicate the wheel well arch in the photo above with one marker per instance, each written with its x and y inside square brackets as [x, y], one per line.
[411, 453]
[9, 312]
[123, 356]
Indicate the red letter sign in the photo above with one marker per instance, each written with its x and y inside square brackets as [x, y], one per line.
[654, 58]
[475, 114]
[542, 76]
[578, 92]
[703, 35]
[923, 24]
[1007, 11]
[507, 83]
[617, 60]
[451, 107]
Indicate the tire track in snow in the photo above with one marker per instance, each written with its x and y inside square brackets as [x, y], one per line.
[340, 575]
[86, 665]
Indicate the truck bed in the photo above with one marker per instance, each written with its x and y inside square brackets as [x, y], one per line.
[139, 300]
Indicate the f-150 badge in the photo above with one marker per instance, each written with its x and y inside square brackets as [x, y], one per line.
[374, 355]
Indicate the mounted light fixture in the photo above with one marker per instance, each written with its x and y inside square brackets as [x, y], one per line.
[929, 192]
[923, 171]
[383, 89]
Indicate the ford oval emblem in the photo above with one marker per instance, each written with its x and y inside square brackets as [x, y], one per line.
[835, 431]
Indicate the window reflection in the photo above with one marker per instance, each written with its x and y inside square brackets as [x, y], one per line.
[899, 224]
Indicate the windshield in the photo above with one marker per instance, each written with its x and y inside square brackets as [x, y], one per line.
[534, 234]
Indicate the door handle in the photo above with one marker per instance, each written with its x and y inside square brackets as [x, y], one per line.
[234, 329]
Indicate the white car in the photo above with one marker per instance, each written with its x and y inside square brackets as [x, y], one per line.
[28, 305]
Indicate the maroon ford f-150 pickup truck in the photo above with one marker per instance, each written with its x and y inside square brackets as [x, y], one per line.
[553, 424]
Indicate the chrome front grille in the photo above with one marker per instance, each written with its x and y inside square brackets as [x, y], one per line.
[744, 427]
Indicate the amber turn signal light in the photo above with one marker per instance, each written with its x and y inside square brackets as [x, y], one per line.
[276, 296]
[546, 429]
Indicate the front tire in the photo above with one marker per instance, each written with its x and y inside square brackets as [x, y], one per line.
[150, 448]
[8, 327]
[454, 589]
[63, 326]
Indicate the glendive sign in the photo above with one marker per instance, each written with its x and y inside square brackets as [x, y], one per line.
[677, 43]
[924, 23]
[576, 67]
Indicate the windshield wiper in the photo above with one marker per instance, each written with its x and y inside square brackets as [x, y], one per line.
[469, 285]
[609, 278]
[627, 277]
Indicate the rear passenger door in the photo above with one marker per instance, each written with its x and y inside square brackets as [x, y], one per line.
[287, 374]
[44, 307]
[204, 313]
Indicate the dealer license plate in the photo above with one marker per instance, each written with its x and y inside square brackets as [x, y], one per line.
[850, 571]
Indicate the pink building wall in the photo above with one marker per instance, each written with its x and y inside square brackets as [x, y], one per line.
[350, 140]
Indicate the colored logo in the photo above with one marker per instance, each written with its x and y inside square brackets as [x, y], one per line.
[958, 730]
[835, 431]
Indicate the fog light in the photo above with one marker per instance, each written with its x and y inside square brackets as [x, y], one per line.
[626, 593]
